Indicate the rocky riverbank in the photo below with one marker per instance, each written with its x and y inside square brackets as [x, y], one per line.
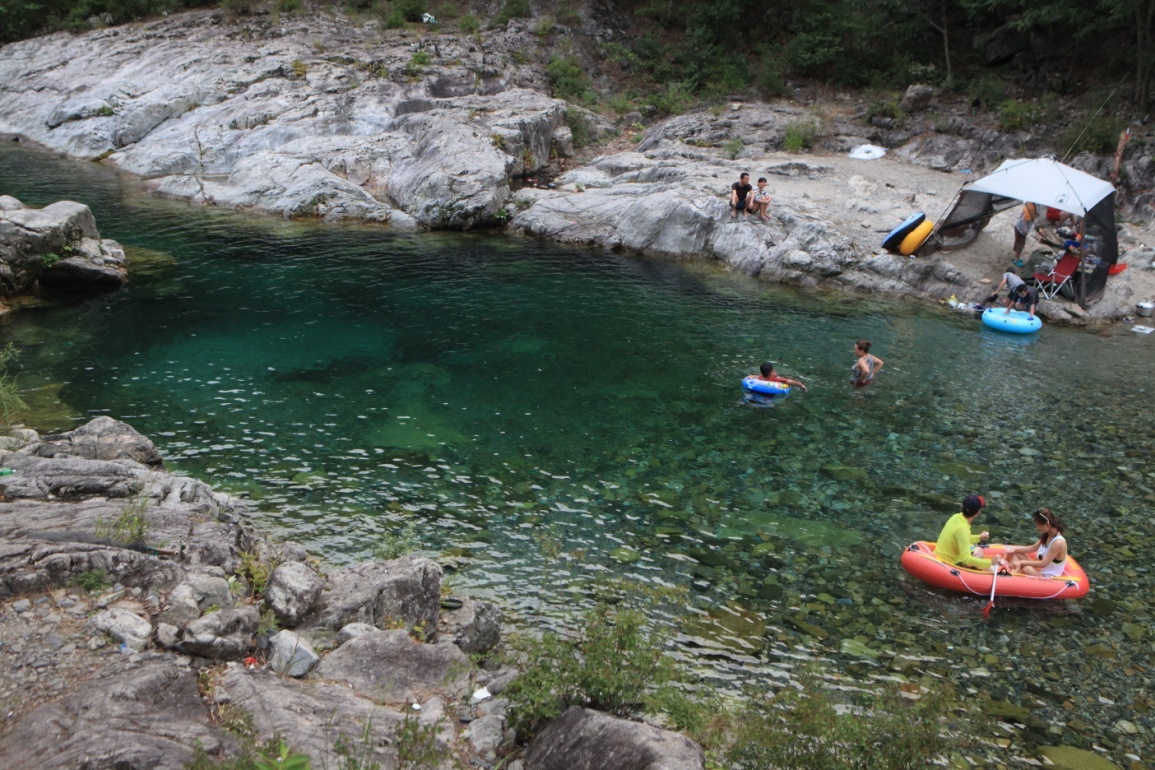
[56, 248]
[317, 115]
[143, 619]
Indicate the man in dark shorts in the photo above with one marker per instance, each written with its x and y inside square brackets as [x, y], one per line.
[1023, 297]
[740, 196]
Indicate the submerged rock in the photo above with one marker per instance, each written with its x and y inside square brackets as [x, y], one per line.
[1071, 758]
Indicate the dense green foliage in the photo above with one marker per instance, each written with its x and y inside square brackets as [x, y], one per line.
[23, 18]
[614, 663]
[11, 405]
[802, 730]
[714, 48]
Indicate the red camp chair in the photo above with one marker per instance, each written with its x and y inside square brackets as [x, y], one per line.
[1050, 283]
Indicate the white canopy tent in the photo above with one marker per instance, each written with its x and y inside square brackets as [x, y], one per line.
[1046, 182]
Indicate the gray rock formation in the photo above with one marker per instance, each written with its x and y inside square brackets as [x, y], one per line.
[917, 97]
[123, 625]
[263, 118]
[664, 203]
[57, 247]
[581, 739]
[405, 590]
[65, 485]
[291, 655]
[292, 591]
[316, 714]
[475, 627]
[137, 715]
[101, 439]
[224, 635]
[389, 666]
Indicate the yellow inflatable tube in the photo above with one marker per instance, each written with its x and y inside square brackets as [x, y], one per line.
[915, 238]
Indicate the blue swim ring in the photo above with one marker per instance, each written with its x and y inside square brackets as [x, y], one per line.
[751, 384]
[1015, 322]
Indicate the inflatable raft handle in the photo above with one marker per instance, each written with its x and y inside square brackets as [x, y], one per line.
[913, 547]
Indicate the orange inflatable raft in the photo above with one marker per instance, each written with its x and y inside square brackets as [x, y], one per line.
[919, 560]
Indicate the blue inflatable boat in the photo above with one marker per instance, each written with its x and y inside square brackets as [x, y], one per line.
[765, 390]
[1015, 322]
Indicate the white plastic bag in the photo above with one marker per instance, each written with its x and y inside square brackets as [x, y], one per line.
[867, 152]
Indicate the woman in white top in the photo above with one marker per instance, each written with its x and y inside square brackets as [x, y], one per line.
[1047, 557]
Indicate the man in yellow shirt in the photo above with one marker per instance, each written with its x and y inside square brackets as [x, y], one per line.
[956, 543]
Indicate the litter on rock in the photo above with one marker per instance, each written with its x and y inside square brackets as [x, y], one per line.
[1141, 329]
[867, 152]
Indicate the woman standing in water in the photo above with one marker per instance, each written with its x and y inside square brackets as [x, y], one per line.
[866, 367]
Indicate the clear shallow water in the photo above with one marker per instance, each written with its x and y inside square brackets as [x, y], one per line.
[546, 415]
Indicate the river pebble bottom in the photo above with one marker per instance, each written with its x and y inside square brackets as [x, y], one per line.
[547, 416]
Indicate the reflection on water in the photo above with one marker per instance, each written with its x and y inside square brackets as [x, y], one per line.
[510, 396]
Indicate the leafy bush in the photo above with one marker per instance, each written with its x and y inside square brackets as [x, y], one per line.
[579, 126]
[513, 9]
[236, 6]
[768, 78]
[394, 545]
[273, 754]
[1016, 116]
[131, 526]
[410, 10]
[733, 148]
[800, 134]
[416, 745]
[567, 14]
[674, 99]
[614, 663]
[288, 6]
[1099, 135]
[11, 405]
[468, 24]
[91, 581]
[421, 58]
[803, 730]
[988, 91]
[568, 79]
[299, 68]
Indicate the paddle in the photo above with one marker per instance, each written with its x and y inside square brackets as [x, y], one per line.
[994, 581]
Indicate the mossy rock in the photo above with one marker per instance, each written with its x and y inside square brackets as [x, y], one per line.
[625, 555]
[1008, 712]
[808, 628]
[1070, 758]
[845, 473]
[940, 503]
[967, 471]
[812, 533]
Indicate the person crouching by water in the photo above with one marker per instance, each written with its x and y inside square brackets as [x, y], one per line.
[866, 367]
[769, 375]
[1047, 556]
[1023, 297]
[956, 545]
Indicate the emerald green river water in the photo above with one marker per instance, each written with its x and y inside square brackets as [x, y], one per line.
[544, 415]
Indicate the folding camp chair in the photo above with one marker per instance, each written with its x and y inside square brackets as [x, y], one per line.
[1050, 283]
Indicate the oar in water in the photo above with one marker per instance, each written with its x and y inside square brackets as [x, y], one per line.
[994, 581]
